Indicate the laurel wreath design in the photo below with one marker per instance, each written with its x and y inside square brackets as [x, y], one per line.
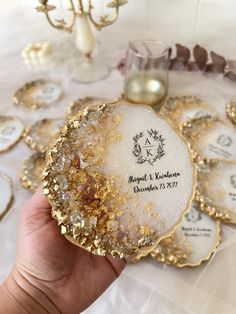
[198, 217]
[224, 137]
[137, 151]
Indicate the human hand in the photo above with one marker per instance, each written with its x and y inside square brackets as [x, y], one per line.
[51, 275]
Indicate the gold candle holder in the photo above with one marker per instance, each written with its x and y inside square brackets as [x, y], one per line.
[82, 17]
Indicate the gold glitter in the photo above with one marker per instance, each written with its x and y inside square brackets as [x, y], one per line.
[86, 198]
[230, 111]
[30, 175]
[149, 209]
[145, 230]
[63, 229]
[172, 251]
[82, 103]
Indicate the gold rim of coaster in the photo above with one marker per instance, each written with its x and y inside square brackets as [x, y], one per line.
[9, 203]
[3, 119]
[81, 103]
[37, 127]
[207, 204]
[176, 106]
[30, 175]
[24, 95]
[51, 187]
[172, 103]
[230, 111]
[194, 129]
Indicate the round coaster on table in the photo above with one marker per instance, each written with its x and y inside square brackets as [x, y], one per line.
[211, 139]
[6, 194]
[194, 240]
[36, 94]
[181, 109]
[114, 180]
[30, 176]
[82, 103]
[216, 190]
[39, 136]
[231, 111]
[11, 130]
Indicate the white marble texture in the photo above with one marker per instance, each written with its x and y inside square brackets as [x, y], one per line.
[146, 287]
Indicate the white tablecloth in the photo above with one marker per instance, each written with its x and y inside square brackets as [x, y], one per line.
[146, 287]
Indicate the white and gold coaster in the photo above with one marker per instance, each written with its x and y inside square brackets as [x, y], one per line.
[231, 111]
[115, 180]
[194, 241]
[36, 94]
[216, 190]
[31, 173]
[6, 194]
[184, 108]
[211, 139]
[11, 130]
[192, 128]
[82, 103]
[39, 136]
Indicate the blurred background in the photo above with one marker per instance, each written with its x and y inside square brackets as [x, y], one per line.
[171, 21]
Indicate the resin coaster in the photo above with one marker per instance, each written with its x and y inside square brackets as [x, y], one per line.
[82, 103]
[6, 194]
[216, 190]
[173, 102]
[211, 139]
[39, 136]
[31, 174]
[181, 109]
[119, 179]
[11, 130]
[231, 111]
[36, 94]
[192, 128]
[193, 242]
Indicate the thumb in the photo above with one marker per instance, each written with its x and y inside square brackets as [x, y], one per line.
[37, 212]
[37, 203]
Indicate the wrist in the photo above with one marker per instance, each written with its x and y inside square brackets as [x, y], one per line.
[19, 296]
